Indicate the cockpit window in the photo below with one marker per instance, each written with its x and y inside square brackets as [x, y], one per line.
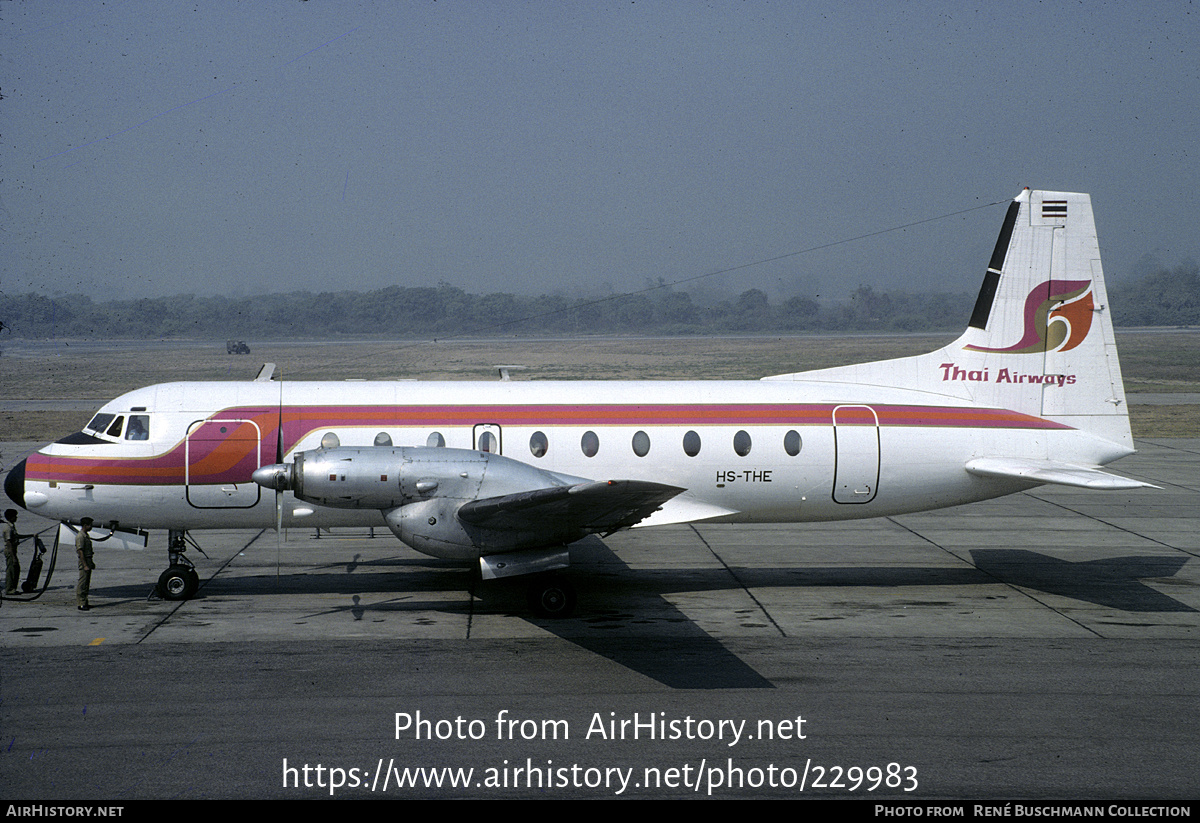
[139, 427]
[99, 423]
[111, 425]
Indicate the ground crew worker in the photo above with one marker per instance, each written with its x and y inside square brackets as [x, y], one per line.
[12, 564]
[83, 547]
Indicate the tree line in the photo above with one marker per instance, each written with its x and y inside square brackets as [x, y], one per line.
[445, 310]
[1156, 296]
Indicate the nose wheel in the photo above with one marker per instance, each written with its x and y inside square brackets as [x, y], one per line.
[181, 580]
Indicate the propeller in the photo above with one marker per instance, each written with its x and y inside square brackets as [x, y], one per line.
[279, 481]
[278, 462]
[276, 476]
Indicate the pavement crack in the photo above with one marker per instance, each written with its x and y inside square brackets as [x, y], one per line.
[203, 583]
[734, 575]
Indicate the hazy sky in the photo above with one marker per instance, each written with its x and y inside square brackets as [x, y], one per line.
[158, 147]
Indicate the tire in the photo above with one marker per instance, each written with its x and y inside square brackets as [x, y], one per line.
[178, 583]
[552, 597]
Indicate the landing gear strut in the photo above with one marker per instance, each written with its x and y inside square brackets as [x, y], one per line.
[181, 580]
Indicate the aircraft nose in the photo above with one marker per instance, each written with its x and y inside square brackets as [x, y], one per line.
[14, 484]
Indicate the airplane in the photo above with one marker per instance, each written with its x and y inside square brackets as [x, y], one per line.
[504, 475]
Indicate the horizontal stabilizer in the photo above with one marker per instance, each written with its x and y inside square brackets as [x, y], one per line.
[1051, 471]
[588, 507]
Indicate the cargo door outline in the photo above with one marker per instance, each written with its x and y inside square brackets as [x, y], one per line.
[856, 454]
[486, 437]
[217, 443]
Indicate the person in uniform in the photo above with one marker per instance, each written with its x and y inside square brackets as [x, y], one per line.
[83, 548]
[11, 563]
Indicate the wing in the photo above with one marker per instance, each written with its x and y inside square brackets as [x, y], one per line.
[602, 507]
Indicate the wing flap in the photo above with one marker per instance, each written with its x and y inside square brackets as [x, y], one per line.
[1052, 471]
[587, 507]
[686, 509]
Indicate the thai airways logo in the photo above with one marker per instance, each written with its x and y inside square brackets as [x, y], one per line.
[1058, 316]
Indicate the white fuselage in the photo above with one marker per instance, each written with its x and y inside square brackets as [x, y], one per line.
[750, 451]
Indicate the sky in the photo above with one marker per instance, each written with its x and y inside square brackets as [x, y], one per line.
[157, 147]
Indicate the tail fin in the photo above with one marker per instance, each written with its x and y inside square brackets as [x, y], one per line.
[1042, 329]
[1040, 340]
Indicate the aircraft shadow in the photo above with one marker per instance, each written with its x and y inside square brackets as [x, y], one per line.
[652, 636]
[1114, 582]
[646, 633]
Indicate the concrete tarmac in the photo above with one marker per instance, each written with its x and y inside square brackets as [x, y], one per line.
[1038, 647]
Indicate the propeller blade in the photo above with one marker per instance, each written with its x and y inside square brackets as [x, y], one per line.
[279, 427]
[279, 461]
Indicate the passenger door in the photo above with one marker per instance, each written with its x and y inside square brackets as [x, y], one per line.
[856, 443]
[220, 456]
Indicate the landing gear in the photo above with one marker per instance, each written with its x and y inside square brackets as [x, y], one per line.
[551, 596]
[181, 580]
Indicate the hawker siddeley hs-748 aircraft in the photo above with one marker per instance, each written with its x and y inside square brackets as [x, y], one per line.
[506, 474]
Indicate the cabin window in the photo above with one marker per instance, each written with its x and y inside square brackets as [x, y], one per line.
[99, 423]
[139, 427]
[590, 443]
[115, 429]
[641, 444]
[383, 439]
[741, 443]
[488, 443]
[328, 441]
[435, 440]
[538, 444]
[792, 443]
[691, 444]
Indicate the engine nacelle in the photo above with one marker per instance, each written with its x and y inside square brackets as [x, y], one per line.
[431, 527]
[383, 478]
[420, 490]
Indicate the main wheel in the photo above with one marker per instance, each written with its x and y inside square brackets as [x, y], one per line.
[178, 583]
[552, 597]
